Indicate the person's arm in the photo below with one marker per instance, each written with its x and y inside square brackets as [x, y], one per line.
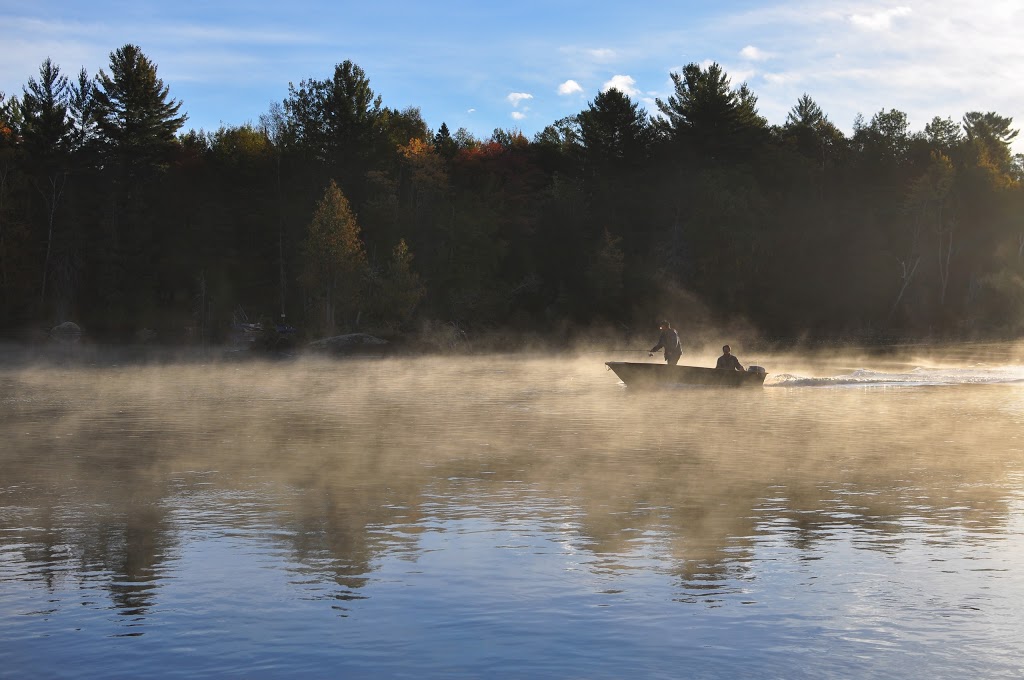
[661, 343]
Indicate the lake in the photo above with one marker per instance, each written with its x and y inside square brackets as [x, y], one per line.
[518, 516]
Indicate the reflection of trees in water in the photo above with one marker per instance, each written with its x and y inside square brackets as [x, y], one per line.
[352, 468]
[93, 541]
[330, 534]
[134, 546]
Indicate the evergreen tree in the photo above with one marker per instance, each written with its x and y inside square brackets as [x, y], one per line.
[616, 137]
[47, 133]
[335, 258]
[82, 107]
[991, 135]
[813, 133]
[805, 112]
[615, 132]
[444, 143]
[135, 120]
[46, 123]
[337, 123]
[708, 115]
[136, 124]
[989, 126]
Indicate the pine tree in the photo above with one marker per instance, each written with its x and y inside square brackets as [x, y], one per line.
[709, 115]
[47, 131]
[46, 123]
[134, 117]
[615, 131]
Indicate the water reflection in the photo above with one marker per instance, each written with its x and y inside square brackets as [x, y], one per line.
[354, 478]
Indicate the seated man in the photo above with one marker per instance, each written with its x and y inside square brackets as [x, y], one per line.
[728, 361]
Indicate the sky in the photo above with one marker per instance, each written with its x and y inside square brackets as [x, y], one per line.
[523, 65]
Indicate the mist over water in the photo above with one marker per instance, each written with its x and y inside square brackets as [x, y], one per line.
[513, 516]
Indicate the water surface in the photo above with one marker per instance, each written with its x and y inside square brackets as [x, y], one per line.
[512, 516]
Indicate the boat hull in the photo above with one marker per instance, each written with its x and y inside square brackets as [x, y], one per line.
[663, 375]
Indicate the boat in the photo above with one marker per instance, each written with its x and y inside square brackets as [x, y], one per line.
[644, 375]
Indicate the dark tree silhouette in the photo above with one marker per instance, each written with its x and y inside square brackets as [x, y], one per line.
[135, 120]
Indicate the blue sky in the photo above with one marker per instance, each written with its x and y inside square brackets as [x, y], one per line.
[523, 65]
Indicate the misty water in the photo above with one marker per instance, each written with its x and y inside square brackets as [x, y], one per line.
[513, 516]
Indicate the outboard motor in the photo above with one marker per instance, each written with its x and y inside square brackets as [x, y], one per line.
[756, 369]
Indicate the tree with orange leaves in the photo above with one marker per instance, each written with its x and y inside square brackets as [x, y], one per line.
[335, 265]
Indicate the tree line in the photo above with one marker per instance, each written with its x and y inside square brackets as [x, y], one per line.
[336, 213]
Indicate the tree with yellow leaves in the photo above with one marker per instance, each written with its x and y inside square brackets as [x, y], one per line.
[335, 265]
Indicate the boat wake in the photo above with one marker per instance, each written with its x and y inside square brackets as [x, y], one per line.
[974, 375]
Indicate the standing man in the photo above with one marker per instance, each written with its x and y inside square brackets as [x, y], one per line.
[668, 339]
[728, 361]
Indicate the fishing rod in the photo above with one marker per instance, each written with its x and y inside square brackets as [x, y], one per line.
[609, 351]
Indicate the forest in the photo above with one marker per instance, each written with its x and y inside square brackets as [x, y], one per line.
[334, 213]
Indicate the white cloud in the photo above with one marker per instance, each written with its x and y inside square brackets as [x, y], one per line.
[879, 21]
[753, 53]
[471, 111]
[591, 54]
[624, 84]
[780, 78]
[569, 87]
[516, 98]
[739, 76]
[518, 115]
